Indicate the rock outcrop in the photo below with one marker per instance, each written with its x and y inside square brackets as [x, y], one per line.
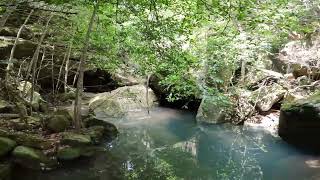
[300, 58]
[300, 121]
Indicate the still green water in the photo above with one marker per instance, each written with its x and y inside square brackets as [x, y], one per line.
[168, 144]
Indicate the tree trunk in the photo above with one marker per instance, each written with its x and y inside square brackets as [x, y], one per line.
[78, 101]
[66, 71]
[10, 64]
[35, 59]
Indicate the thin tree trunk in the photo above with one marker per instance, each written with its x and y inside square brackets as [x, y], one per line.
[52, 74]
[147, 93]
[35, 59]
[78, 101]
[10, 63]
[41, 62]
[60, 71]
[66, 70]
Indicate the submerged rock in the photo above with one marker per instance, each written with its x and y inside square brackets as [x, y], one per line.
[122, 101]
[300, 121]
[6, 145]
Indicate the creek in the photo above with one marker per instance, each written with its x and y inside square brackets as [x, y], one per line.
[168, 144]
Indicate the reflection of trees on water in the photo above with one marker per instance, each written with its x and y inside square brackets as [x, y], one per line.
[226, 153]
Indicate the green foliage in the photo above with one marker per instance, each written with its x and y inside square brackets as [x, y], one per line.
[196, 46]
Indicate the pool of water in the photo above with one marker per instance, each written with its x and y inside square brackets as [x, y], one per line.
[168, 144]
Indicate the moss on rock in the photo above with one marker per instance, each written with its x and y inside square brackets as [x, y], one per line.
[58, 123]
[30, 158]
[25, 139]
[69, 153]
[6, 145]
[74, 139]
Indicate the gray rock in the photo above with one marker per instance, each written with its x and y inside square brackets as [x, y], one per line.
[300, 58]
[122, 101]
[267, 96]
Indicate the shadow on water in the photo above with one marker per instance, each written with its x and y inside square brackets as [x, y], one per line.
[169, 144]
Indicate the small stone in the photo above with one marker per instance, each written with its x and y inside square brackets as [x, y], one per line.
[6, 145]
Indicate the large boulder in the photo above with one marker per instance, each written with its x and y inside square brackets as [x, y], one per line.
[212, 112]
[300, 121]
[300, 58]
[256, 76]
[267, 96]
[6, 145]
[120, 102]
